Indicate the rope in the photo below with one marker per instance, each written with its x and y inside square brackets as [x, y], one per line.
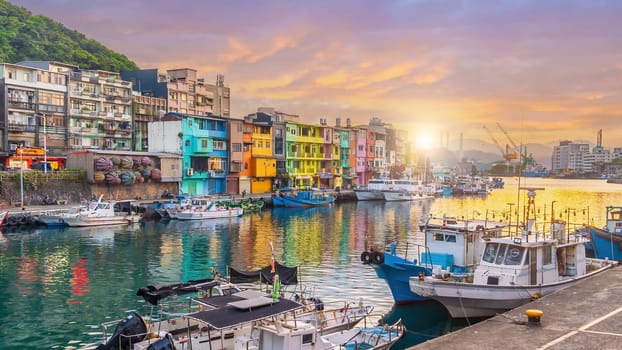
[461, 304]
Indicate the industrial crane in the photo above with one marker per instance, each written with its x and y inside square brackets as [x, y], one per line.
[506, 153]
[515, 150]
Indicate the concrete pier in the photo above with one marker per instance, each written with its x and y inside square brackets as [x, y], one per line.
[585, 316]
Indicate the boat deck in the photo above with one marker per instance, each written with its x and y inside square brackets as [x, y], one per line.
[584, 316]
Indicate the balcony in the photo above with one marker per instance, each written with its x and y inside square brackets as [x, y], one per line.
[12, 126]
[21, 105]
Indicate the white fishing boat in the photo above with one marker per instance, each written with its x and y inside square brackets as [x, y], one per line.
[376, 188]
[248, 319]
[94, 214]
[212, 211]
[513, 270]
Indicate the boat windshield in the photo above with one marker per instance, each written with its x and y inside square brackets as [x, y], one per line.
[503, 254]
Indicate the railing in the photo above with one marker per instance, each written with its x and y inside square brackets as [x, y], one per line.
[21, 127]
[21, 105]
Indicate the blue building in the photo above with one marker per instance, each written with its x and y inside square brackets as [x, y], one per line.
[202, 142]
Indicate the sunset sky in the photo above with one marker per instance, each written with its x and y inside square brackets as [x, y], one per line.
[545, 70]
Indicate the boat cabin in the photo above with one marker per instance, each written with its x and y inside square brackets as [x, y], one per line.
[456, 245]
[614, 219]
[519, 262]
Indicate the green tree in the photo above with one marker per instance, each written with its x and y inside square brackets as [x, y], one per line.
[24, 37]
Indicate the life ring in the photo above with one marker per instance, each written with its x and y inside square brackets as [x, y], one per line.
[366, 257]
[378, 258]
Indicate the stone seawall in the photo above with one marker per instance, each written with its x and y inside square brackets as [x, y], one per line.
[70, 187]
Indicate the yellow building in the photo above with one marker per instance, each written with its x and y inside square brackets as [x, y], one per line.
[263, 163]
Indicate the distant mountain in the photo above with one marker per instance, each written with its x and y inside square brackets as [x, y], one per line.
[24, 37]
[486, 152]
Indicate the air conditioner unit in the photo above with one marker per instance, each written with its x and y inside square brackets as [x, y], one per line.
[212, 173]
[190, 172]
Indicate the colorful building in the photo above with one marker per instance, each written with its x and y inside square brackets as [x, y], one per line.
[304, 142]
[202, 142]
[263, 163]
[236, 155]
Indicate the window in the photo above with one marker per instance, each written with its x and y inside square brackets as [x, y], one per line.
[220, 146]
[236, 147]
[490, 252]
[267, 144]
[278, 132]
[439, 237]
[307, 338]
[204, 143]
[199, 163]
[515, 255]
[450, 238]
[260, 144]
[501, 254]
[546, 255]
[187, 143]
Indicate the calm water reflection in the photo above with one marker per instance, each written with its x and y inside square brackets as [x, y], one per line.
[57, 286]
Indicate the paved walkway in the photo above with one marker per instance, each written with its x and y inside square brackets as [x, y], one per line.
[585, 316]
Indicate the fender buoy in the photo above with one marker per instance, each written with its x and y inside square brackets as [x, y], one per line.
[366, 257]
[378, 257]
[319, 304]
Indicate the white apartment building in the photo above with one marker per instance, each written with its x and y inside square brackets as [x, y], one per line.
[576, 157]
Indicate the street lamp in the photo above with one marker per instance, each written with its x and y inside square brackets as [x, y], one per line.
[45, 146]
[21, 175]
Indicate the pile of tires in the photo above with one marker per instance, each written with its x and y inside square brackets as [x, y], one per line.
[372, 257]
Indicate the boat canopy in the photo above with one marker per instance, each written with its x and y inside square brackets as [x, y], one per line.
[287, 275]
[153, 294]
[231, 315]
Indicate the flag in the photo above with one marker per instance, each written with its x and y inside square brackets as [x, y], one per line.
[272, 258]
[276, 287]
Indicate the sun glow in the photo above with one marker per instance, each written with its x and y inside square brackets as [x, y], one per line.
[424, 140]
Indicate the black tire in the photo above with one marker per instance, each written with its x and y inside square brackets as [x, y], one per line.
[366, 257]
[378, 258]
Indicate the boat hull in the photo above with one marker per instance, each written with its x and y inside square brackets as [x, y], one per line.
[606, 245]
[392, 196]
[52, 220]
[466, 300]
[396, 271]
[366, 195]
[295, 202]
[209, 214]
[101, 221]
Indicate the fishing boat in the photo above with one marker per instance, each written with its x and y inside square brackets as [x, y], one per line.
[606, 243]
[253, 320]
[294, 198]
[514, 269]
[211, 212]
[161, 207]
[242, 311]
[451, 245]
[202, 208]
[94, 214]
[377, 187]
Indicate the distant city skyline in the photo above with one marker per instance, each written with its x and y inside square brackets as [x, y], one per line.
[547, 71]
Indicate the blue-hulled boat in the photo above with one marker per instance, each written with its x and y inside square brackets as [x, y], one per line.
[451, 245]
[606, 243]
[293, 198]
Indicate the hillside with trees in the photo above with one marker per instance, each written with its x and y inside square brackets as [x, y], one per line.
[24, 37]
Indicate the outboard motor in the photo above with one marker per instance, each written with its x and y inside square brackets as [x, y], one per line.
[130, 330]
[165, 343]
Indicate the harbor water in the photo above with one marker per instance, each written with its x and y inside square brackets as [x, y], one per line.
[58, 285]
